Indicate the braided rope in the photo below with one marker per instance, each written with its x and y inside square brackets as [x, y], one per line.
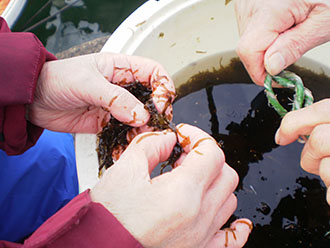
[302, 98]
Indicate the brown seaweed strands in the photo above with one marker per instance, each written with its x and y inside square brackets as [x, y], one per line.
[114, 133]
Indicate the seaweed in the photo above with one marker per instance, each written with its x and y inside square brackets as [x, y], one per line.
[113, 137]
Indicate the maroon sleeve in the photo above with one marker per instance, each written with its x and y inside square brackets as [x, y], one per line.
[80, 224]
[5, 244]
[21, 58]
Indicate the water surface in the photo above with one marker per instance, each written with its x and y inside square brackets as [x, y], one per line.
[85, 21]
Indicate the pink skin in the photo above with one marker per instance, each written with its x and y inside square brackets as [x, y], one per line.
[275, 34]
[182, 208]
[75, 95]
[314, 121]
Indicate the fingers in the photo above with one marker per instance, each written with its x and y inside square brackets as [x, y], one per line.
[132, 133]
[260, 32]
[204, 159]
[219, 202]
[325, 175]
[234, 237]
[316, 148]
[252, 56]
[302, 122]
[141, 158]
[224, 213]
[122, 104]
[315, 122]
[151, 73]
[244, 10]
[216, 198]
[122, 69]
[274, 34]
[325, 171]
[296, 41]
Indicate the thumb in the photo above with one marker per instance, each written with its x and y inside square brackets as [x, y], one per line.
[121, 104]
[146, 151]
[293, 43]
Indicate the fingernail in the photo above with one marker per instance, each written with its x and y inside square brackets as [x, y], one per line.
[160, 102]
[277, 137]
[275, 63]
[141, 115]
[168, 130]
[244, 223]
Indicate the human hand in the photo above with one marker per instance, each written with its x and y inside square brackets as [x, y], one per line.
[275, 34]
[314, 121]
[79, 94]
[182, 208]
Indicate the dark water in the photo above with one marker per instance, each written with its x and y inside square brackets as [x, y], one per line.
[84, 21]
[286, 204]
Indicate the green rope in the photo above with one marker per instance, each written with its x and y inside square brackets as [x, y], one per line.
[302, 98]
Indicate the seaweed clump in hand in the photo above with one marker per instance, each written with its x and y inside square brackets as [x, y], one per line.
[112, 140]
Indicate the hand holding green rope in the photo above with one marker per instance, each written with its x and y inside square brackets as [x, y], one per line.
[302, 98]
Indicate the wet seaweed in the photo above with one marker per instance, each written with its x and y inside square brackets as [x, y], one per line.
[113, 137]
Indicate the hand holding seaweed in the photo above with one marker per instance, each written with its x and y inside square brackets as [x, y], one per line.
[194, 199]
[80, 94]
[116, 136]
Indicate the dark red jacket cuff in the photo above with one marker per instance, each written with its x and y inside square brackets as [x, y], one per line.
[22, 56]
[82, 223]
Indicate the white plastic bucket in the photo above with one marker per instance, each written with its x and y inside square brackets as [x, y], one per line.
[13, 11]
[178, 34]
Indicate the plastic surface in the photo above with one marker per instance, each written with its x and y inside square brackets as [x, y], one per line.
[13, 11]
[178, 34]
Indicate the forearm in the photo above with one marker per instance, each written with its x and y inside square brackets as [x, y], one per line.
[21, 58]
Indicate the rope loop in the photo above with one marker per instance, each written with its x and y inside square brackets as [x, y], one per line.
[302, 98]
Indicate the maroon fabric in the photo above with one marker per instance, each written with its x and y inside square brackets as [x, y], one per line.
[21, 58]
[5, 244]
[81, 223]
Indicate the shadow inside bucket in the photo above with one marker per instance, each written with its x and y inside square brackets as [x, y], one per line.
[286, 204]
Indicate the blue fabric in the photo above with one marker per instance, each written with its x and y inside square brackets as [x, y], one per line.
[34, 185]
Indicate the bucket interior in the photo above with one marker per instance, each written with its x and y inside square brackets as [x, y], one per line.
[195, 41]
[274, 192]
